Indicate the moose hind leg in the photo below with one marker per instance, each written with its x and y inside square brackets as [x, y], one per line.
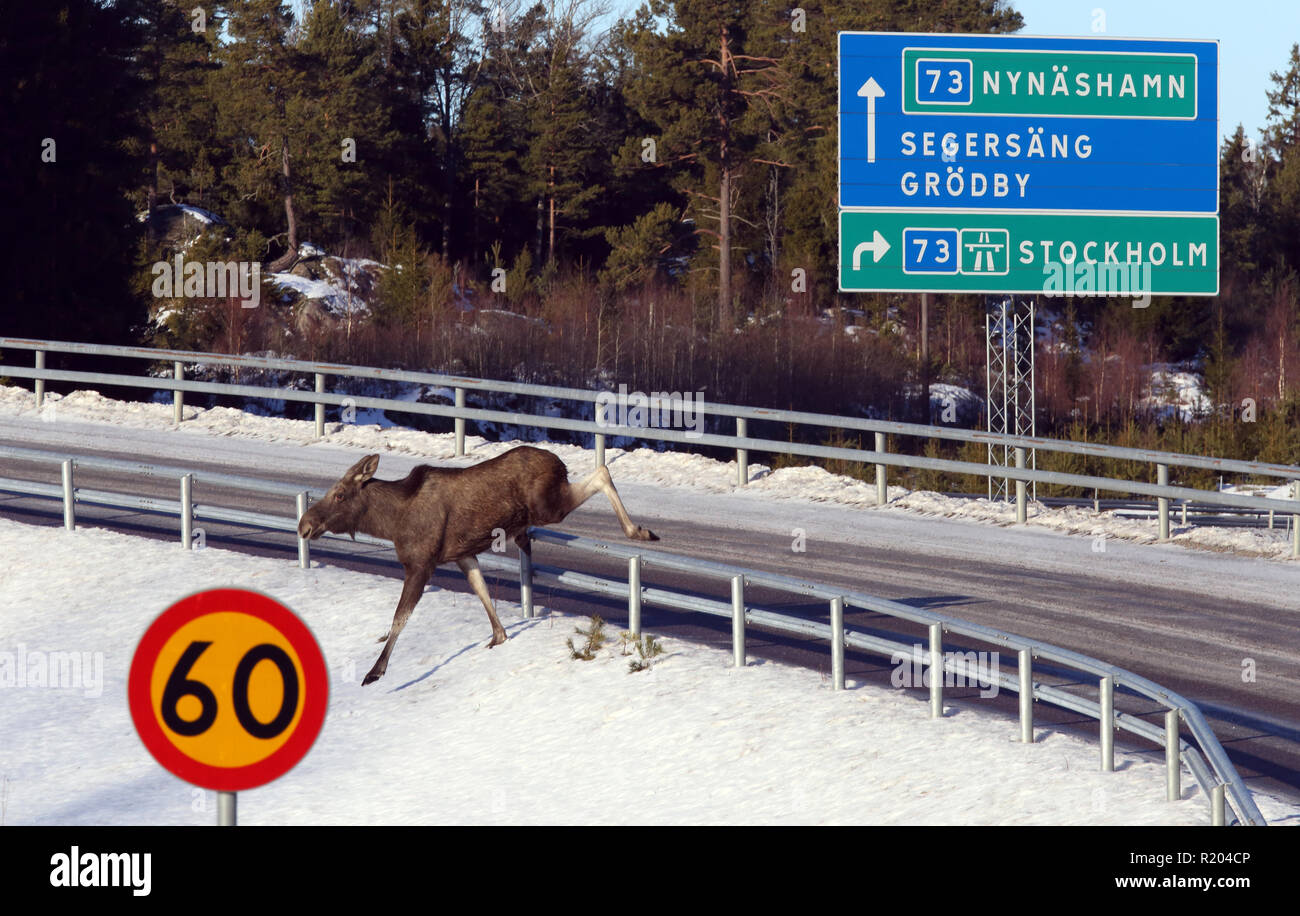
[469, 566]
[412, 589]
[600, 482]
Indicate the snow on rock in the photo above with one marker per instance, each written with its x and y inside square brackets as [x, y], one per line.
[206, 217]
[341, 286]
[1177, 392]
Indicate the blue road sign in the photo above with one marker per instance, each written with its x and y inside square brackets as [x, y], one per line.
[1021, 124]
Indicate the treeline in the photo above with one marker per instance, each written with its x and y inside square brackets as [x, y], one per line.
[657, 192]
[693, 142]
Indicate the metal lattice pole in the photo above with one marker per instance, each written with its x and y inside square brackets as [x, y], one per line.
[1009, 380]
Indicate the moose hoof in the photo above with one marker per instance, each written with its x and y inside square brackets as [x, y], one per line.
[372, 677]
[497, 639]
[644, 534]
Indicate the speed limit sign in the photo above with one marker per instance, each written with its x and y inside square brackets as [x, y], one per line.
[228, 689]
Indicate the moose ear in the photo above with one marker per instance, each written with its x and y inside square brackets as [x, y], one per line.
[364, 469]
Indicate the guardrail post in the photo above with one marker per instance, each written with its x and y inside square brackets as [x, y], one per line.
[187, 510]
[178, 396]
[882, 491]
[600, 437]
[1173, 761]
[304, 546]
[634, 595]
[1107, 725]
[40, 382]
[69, 496]
[837, 643]
[936, 671]
[1162, 478]
[1026, 697]
[1218, 813]
[738, 620]
[460, 423]
[1021, 513]
[526, 575]
[1295, 521]
[742, 455]
[1184, 519]
[320, 406]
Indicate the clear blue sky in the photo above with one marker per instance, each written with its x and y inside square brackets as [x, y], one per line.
[1255, 38]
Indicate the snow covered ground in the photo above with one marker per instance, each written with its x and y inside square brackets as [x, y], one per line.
[524, 734]
[520, 734]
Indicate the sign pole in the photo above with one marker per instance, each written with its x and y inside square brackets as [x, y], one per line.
[927, 414]
[226, 809]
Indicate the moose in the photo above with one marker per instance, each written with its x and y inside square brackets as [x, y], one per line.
[436, 515]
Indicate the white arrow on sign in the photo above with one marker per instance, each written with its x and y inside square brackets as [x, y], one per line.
[877, 246]
[871, 91]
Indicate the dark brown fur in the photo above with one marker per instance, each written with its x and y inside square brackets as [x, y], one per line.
[439, 515]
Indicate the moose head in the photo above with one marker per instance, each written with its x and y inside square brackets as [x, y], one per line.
[342, 509]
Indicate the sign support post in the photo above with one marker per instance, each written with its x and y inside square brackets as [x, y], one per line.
[226, 809]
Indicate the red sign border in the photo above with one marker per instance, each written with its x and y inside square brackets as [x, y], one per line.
[315, 690]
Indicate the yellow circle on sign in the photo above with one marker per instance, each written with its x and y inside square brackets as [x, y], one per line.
[232, 636]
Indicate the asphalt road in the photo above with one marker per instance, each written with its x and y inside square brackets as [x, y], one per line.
[1177, 633]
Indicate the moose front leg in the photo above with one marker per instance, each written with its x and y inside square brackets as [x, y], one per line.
[417, 577]
[469, 566]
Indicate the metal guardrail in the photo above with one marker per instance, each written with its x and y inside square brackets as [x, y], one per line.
[741, 443]
[1206, 759]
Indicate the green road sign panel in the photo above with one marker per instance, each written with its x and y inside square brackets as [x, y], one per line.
[1080, 254]
[1049, 83]
[1095, 160]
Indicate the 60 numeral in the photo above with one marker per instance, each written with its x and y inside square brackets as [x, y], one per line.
[180, 685]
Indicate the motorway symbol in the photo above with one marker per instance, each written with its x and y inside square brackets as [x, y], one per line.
[984, 251]
[228, 689]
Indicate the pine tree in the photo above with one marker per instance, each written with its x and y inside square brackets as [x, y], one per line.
[402, 287]
[696, 83]
[1282, 139]
[1242, 185]
[492, 137]
[259, 89]
[342, 128]
[550, 72]
[175, 62]
[436, 67]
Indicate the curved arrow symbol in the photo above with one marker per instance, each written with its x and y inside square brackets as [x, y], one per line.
[871, 91]
[877, 246]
